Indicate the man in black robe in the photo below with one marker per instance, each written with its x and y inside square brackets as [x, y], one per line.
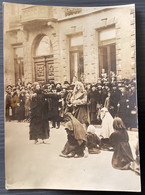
[39, 126]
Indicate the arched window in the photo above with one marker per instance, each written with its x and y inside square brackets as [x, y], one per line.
[45, 47]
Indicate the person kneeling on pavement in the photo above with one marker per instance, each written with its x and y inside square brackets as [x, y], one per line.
[122, 156]
[93, 141]
[76, 138]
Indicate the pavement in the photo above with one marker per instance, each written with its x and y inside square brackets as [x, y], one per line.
[32, 166]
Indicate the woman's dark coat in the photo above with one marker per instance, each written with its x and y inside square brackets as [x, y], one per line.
[76, 137]
[122, 152]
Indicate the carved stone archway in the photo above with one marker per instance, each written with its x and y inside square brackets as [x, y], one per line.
[43, 60]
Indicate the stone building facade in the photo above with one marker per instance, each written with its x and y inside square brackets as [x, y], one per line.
[43, 43]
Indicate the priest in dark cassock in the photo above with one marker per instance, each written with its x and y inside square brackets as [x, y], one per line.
[39, 125]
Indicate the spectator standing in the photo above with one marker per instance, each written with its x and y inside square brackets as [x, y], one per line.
[14, 101]
[8, 103]
[92, 103]
[123, 106]
[99, 103]
[20, 109]
[54, 108]
[27, 106]
[114, 99]
[133, 107]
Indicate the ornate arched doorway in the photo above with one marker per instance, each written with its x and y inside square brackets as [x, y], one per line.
[43, 59]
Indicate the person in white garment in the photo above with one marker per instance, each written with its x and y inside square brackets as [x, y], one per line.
[107, 123]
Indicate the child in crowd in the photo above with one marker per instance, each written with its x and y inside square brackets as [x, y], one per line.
[93, 141]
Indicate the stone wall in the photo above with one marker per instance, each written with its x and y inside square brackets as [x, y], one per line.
[89, 26]
[59, 32]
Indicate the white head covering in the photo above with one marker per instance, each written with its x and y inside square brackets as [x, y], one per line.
[91, 129]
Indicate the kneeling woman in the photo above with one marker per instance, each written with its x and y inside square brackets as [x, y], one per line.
[76, 135]
[122, 156]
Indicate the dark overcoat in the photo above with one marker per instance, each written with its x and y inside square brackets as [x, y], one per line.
[39, 126]
[122, 152]
[92, 101]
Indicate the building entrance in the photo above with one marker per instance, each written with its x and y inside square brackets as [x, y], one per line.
[44, 68]
[43, 61]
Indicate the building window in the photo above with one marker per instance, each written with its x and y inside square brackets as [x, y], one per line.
[107, 51]
[76, 57]
[18, 64]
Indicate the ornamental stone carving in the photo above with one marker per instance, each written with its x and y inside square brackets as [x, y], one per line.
[40, 70]
[72, 11]
[51, 70]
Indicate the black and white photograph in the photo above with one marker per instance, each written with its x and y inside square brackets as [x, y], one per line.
[70, 93]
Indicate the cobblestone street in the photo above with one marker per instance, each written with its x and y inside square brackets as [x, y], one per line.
[31, 166]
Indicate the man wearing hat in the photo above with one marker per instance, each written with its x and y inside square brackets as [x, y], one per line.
[123, 105]
[92, 102]
[66, 84]
[114, 99]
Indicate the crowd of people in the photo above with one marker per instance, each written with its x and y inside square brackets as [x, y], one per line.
[81, 107]
[118, 97]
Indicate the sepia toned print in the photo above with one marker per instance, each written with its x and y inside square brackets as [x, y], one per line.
[71, 117]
